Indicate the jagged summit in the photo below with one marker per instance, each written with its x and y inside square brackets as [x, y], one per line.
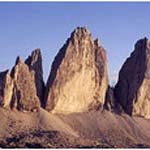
[18, 60]
[80, 32]
[35, 55]
[97, 42]
[145, 42]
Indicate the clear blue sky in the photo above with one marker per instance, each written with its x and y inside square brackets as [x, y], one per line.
[26, 26]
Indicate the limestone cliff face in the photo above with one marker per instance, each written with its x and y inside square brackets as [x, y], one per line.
[133, 88]
[24, 92]
[78, 78]
[35, 64]
[6, 88]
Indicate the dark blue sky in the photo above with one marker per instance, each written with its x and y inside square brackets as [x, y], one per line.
[26, 26]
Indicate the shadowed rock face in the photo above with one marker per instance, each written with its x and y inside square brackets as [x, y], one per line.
[24, 91]
[132, 89]
[35, 64]
[109, 99]
[6, 88]
[78, 78]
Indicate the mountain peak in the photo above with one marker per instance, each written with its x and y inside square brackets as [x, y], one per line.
[80, 60]
[132, 89]
[34, 62]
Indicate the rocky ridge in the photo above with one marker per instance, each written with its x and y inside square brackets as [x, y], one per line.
[78, 80]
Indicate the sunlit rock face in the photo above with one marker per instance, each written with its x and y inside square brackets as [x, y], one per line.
[133, 88]
[24, 92]
[34, 63]
[6, 88]
[78, 79]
